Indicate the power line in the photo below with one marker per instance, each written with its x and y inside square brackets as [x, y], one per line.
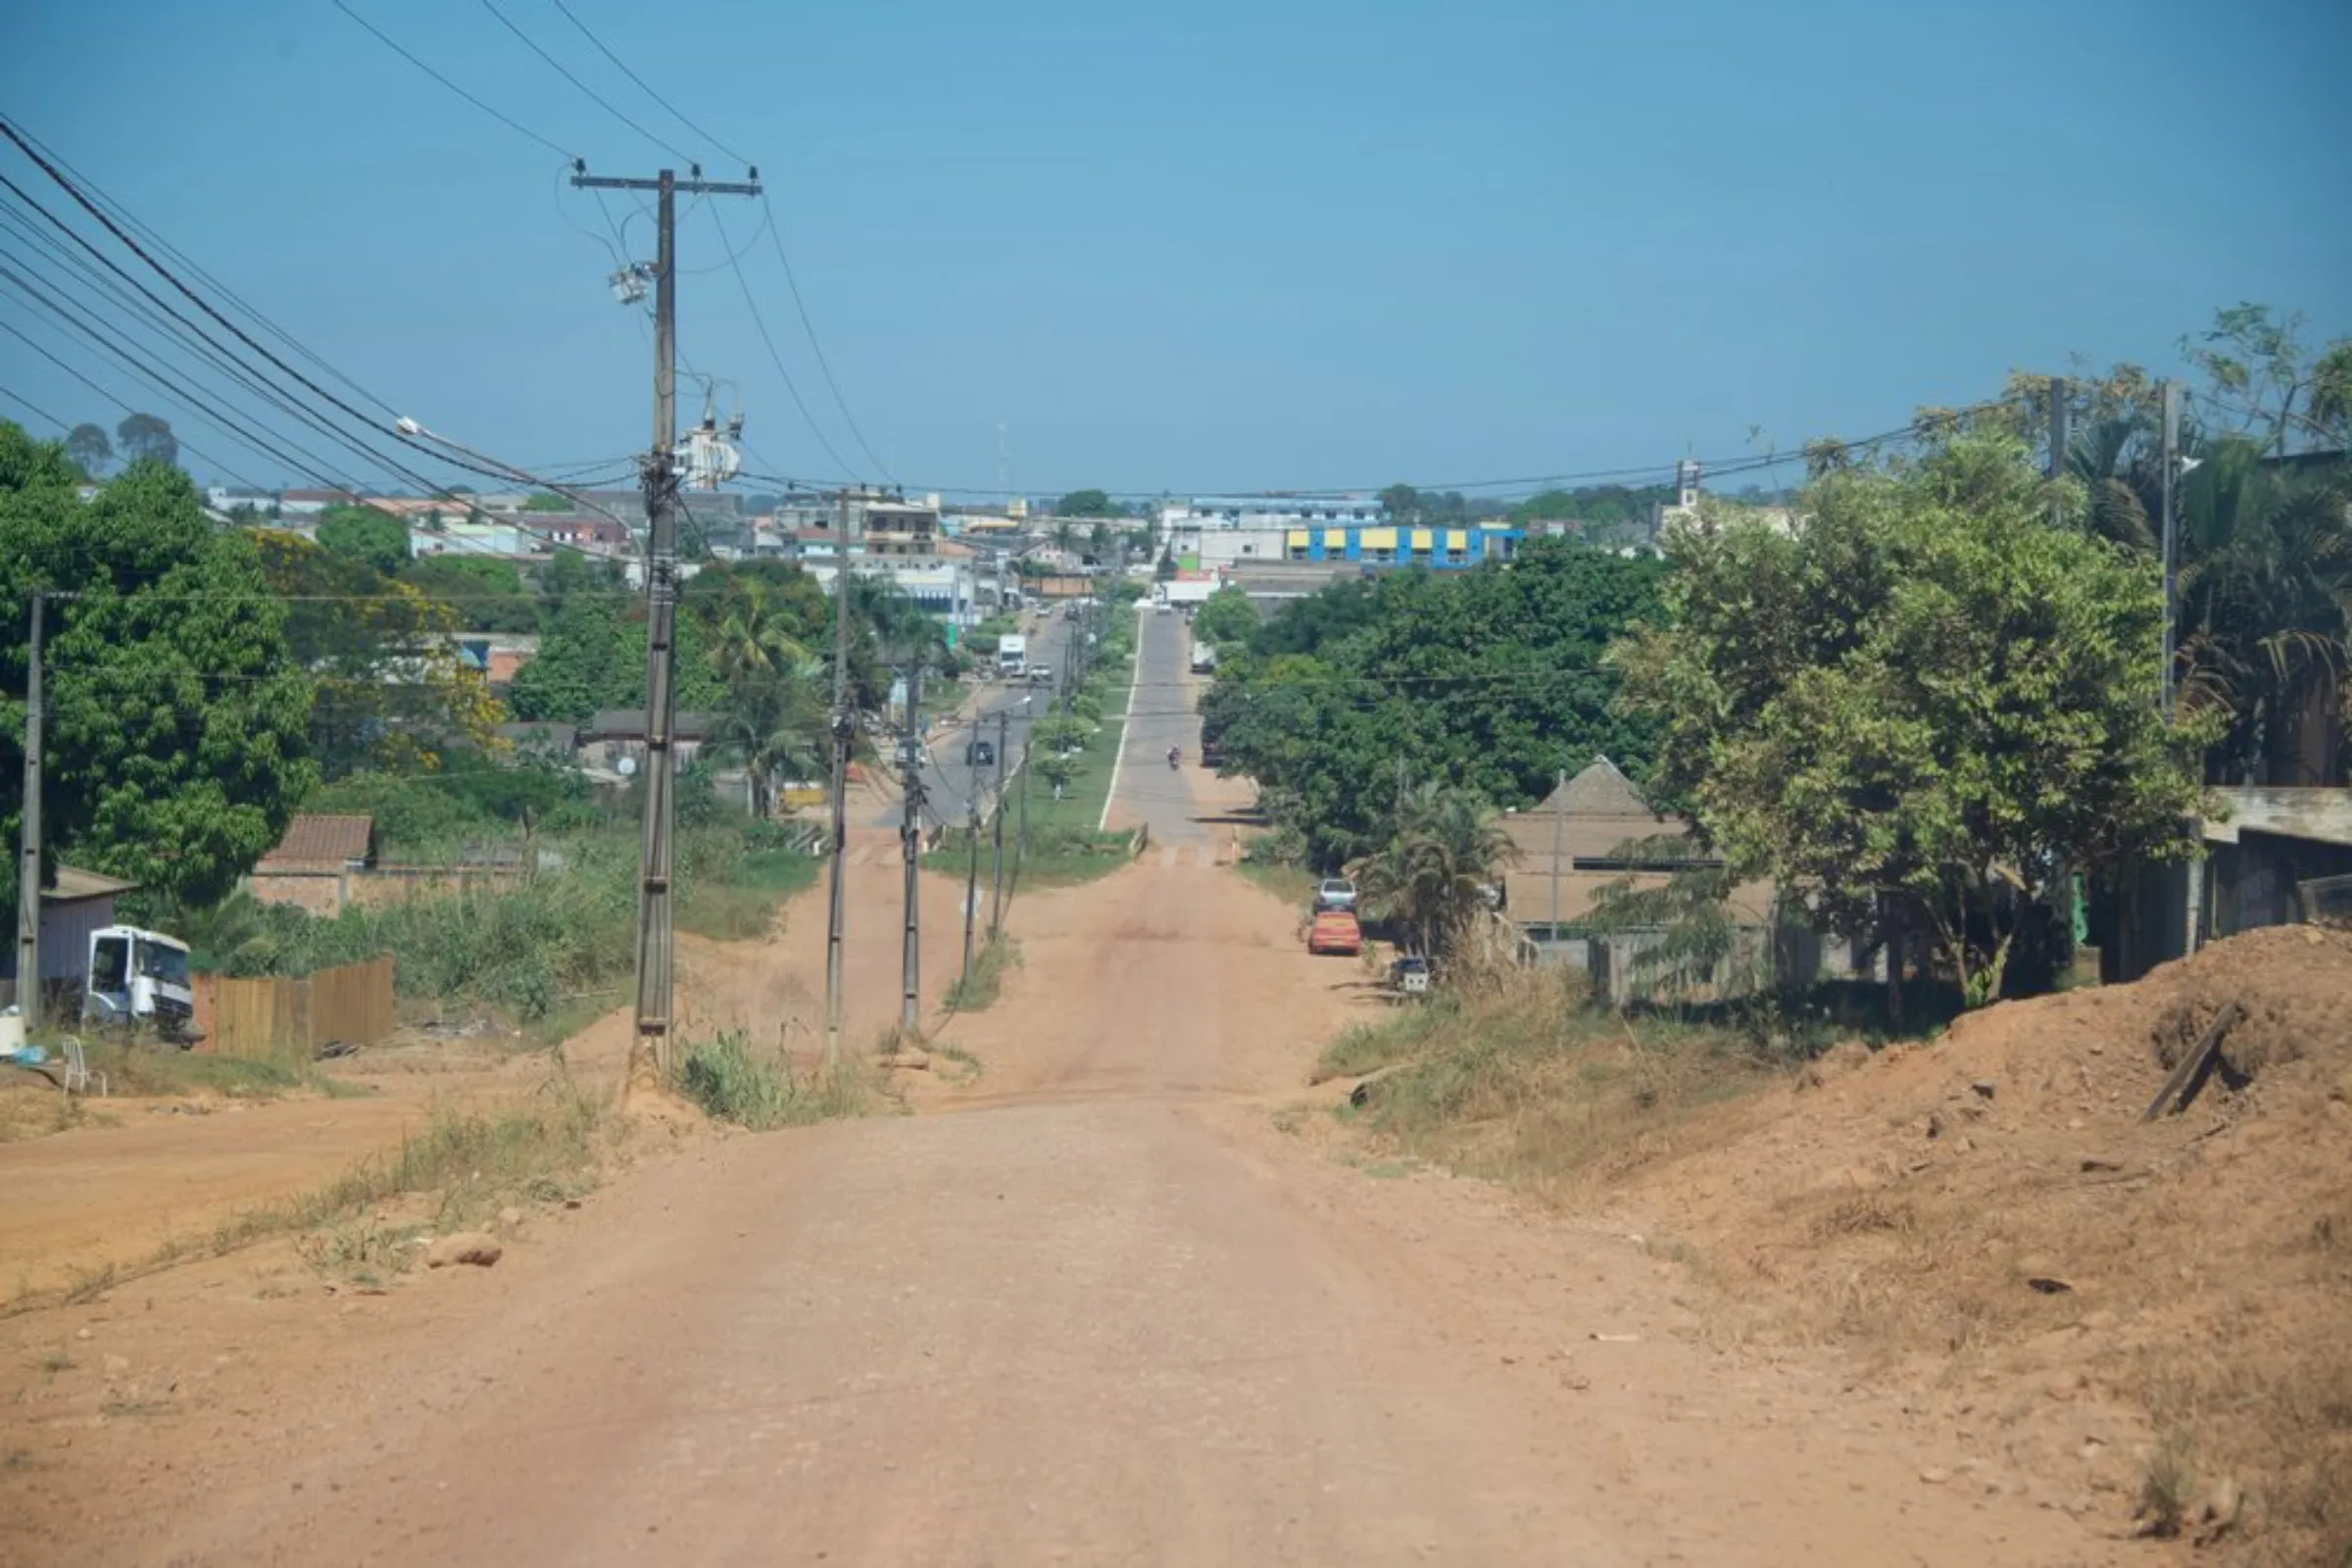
[185, 334]
[674, 111]
[761, 321]
[776, 234]
[24, 402]
[164, 245]
[560, 70]
[115, 401]
[8, 129]
[511, 124]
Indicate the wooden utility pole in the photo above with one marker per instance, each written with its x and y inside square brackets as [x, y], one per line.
[28, 861]
[971, 878]
[845, 731]
[1559, 807]
[910, 840]
[659, 475]
[996, 867]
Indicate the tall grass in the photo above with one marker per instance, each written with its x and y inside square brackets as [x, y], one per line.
[979, 989]
[532, 950]
[1520, 1080]
[732, 1082]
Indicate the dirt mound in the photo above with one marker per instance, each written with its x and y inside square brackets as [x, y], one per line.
[2151, 1312]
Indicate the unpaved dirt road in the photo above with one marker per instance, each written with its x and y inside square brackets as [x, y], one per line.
[1093, 1308]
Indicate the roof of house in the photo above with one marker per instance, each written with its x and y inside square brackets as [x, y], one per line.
[628, 724]
[1601, 790]
[318, 838]
[73, 883]
[1528, 895]
[541, 735]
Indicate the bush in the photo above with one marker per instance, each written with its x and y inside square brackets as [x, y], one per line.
[732, 1082]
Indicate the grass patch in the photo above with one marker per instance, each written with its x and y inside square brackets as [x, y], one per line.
[140, 1070]
[742, 904]
[1293, 885]
[461, 1170]
[1082, 801]
[1520, 1081]
[732, 1082]
[973, 992]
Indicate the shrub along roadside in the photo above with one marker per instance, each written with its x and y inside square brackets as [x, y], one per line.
[733, 1082]
[465, 1167]
[1516, 1080]
[976, 990]
[544, 953]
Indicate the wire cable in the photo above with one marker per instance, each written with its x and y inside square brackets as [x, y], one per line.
[775, 232]
[761, 321]
[511, 124]
[24, 402]
[8, 129]
[646, 87]
[560, 70]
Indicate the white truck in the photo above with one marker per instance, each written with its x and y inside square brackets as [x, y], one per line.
[1184, 596]
[1012, 656]
[138, 977]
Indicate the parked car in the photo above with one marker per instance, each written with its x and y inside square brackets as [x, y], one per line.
[980, 753]
[1040, 674]
[1335, 893]
[1336, 932]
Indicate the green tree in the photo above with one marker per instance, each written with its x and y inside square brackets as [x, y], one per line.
[543, 502]
[1927, 701]
[582, 664]
[1492, 678]
[1227, 619]
[1444, 849]
[1088, 503]
[378, 539]
[391, 688]
[2265, 611]
[144, 435]
[482, 593]
[175, 732]
[92, 452]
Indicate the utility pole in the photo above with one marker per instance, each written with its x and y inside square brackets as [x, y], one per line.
[1020, 837]
[996, 867]
[910, 839]
[2057, 443]
[2172, 532]
[1559, 807]
[658, 473]
[971, 878]
[29, 863]
[845, 730]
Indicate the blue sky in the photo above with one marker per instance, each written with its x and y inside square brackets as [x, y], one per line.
[1228, 245]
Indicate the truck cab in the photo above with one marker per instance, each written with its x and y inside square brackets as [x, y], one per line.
[139, 976]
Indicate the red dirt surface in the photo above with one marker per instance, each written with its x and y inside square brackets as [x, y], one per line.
[2078, 1296]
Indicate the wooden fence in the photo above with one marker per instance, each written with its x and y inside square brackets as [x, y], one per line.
[286, 1020]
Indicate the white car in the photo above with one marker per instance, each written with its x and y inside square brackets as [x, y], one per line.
[1335, 893]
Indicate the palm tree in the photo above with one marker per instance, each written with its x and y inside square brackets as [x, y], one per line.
[1065, 535]
[1444, 851]
[753, 643]
[2266, 608]
[775, 727]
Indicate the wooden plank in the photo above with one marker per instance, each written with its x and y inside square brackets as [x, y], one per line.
[2189, 1072]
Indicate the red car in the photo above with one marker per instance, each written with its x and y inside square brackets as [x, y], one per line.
[1335, 931]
